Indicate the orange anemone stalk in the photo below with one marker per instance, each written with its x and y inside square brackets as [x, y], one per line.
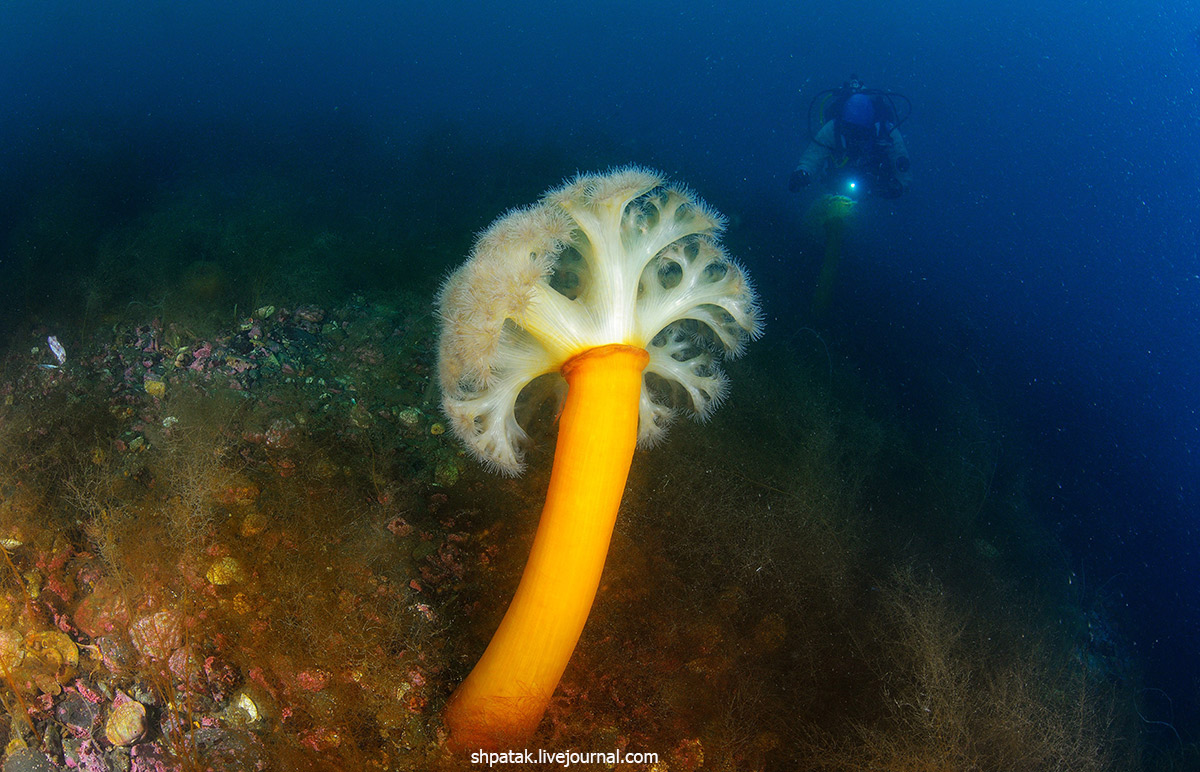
[507, 692]
[616, 287]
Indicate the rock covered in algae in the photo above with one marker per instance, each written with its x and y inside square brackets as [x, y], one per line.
[28, 760]
[103, 612]
[12, 650]
[249, 705]
[157, 635]
[410, 417]
[238, 491]
[446, 472]
[46, 658]
[54, 649]
[253, 524]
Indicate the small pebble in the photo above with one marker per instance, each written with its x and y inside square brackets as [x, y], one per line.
[253, 524]
[28, 760]
[409, 416]
[227, 570]
[126, 721]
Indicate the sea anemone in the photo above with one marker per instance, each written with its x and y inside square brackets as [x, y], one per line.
[616, 287]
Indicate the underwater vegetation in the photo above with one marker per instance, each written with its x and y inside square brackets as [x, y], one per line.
[239, 533]
[213, 559]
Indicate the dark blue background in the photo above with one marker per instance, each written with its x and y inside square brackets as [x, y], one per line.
[1050, 238]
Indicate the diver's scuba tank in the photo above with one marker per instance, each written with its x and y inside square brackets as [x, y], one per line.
[891, 106]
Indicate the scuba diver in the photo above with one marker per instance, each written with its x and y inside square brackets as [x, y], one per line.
[859, 148]
[857, 151]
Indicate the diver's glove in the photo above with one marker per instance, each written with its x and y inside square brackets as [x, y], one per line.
[799, 179]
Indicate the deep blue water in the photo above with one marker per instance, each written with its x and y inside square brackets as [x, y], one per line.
[1050, 238]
